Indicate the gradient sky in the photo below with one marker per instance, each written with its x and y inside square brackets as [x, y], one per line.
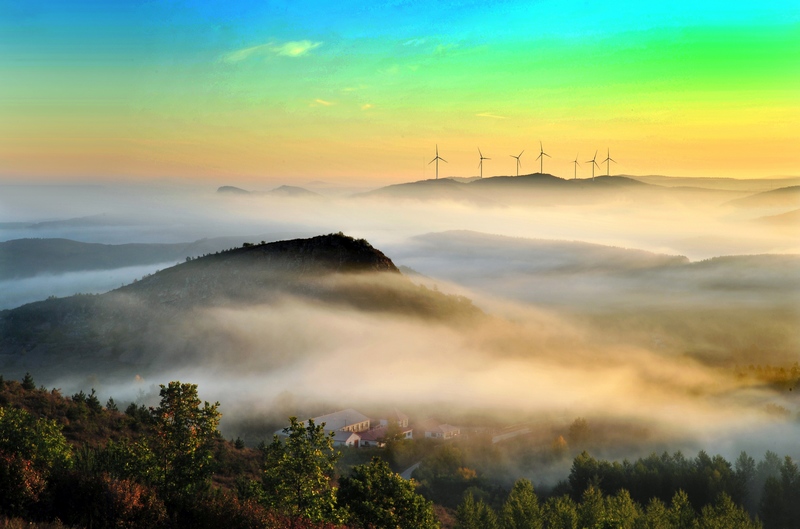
[249, 92]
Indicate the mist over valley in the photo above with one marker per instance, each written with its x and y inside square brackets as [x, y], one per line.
[551, 306]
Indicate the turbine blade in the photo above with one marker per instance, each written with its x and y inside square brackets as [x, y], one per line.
[432, 161]
[442, 159]
[547, 155]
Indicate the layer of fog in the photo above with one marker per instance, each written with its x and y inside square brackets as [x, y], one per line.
[698, 229]
[18, 292]
[565, 342]
[296, 357]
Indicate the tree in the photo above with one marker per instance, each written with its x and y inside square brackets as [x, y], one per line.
[27, 382]
[298, 472]
[378, 498]
[184, 431]
[724, 514]
[30, 449]
[473, 514]
[622, 511]
[592, 509]
[681, 513]
[37, 440]
[560, 513]
[521, 510]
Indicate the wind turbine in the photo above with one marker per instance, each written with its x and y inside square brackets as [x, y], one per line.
[518, 162]
[480, 164]
[608, 161]
[541, 156]
[437, 161]
[576, 164]
[593, 162]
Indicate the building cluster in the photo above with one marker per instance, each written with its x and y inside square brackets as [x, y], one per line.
[353, 428]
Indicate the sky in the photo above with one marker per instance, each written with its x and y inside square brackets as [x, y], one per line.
[257, 93]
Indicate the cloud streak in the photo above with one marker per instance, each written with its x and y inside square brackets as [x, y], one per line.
[292, 48]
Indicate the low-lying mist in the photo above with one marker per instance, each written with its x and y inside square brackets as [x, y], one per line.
[297, 356]
[598, 309]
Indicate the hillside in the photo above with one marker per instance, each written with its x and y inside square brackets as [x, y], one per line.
[150, 322]
[544, 189]
[781, 197]
[21, 258]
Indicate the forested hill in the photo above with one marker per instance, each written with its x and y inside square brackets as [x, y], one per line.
[148, 319]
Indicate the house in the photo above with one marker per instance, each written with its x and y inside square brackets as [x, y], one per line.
[352, 428]
[345, 424]
[345, 438]
[435, 430]
[348, 420]
[397, 417]
[376, 436]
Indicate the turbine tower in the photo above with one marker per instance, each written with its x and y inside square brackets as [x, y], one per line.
[437, 161]
[608, 161]
[576, 164]
[480, 164]
[518, 162]
[541, 156]
[594, 163]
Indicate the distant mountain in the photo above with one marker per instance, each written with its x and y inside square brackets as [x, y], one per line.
[536, 188]
[293, 191]
[150, 323]
[231, 190]
[102, 219]
[782, 197]
[544, 189]
[751, 185]
[790, 219]
[441, 189]
[21, 258]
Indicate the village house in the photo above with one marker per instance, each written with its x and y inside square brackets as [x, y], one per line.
[352, 428]
[436, 430]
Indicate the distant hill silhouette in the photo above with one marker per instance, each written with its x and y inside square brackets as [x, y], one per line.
[144, 323]
[782, 197]
[441, 189]
[20, 258]
[542, 189]
[233, 190]
[293, 191]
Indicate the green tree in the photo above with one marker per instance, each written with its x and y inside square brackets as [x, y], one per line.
[298, 472]
[184, 431]
[560, 513]
[724, 514]
[681, 512]
[472, 514]
[656, 516]
[521, 510]
[30, 450]
[592, 509]
[37, 440]
[377, 498]
[27, 382]
[621, 511]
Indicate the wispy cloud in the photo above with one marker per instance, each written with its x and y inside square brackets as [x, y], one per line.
[292, 48]
[490, 115]
[322, 102]
[366, 106]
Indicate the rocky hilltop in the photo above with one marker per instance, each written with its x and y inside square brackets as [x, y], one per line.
[132, 324]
